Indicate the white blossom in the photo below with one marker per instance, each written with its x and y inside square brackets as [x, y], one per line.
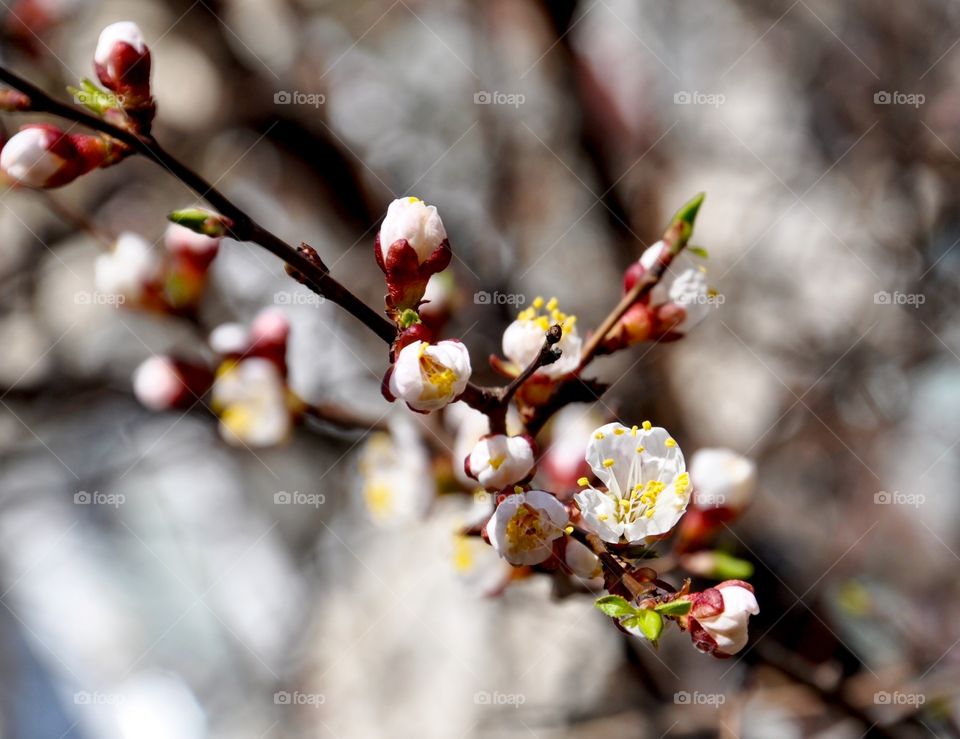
[429, 376]
[581, 561]
[684, 284]
[129, 268]
[523, 527]
[523, 339]
[251, 399]
[647, 486]
[397, 483]
[500, 460]
[413, 220]
[722, 479]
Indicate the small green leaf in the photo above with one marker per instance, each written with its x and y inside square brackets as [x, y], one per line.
[698, 251]
[674, 608]
[649, 622]
[94, 98]
[615, 606]
[408, 318]
[728, 567]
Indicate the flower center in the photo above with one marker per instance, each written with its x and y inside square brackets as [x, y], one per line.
[437, 374]
[527, 529]
[549, 317]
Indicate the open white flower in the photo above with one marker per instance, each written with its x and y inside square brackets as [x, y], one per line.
[429, 376]
[500, 460]
[729, 627]
[685, 285]
[523, 527]
[722, 479]
[648, 487]
[252, 400]
[523, 339]
[415, 221]
[397, 483]
[129, 268]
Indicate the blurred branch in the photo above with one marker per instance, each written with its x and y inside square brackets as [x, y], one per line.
[243, 226]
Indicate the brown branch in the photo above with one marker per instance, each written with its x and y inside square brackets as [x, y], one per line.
[243, 227]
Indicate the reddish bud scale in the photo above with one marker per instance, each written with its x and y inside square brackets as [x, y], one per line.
[127, 73]
[409, 335]
[406, 276]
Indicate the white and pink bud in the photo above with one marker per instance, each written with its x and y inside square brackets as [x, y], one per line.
[122, 63]
[192, 247]
[269, 333]
[411, 246]
[43, 156]
[162, 383]
[524, 526]
[499, 460]
[132, 269]
[719, 617]
[428, 376]
[580, 560]
[231, 340]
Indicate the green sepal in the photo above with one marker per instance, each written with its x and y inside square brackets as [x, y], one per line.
[615, 606]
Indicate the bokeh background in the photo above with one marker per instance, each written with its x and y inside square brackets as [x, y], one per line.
[556, 138]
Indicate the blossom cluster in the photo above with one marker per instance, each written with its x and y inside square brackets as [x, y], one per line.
[559, 489]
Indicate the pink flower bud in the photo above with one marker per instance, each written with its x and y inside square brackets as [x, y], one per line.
[190, 245]
[122, 62]
[41, 155]
[162, 383]
[719, 616]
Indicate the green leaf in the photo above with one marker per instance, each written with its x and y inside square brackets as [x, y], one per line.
[649, 622]
[674, 608]
[94, 98]
[615, 606]
[728, 567]
[698, 251]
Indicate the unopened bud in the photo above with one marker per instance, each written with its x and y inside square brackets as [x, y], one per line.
[43, 156]
[122, 62]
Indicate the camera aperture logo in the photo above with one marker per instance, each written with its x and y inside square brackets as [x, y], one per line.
[314, 500]
[296, 97]
[95, 497]
[514, 99]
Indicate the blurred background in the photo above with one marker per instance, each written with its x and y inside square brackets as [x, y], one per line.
[556, 138]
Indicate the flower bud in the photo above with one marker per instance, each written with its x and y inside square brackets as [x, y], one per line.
[722, 479]
[581, 561]
[499, 460]
[429, 376]
[269, 332]
[192, 247]
[42, 156]
[230, 339]
[411, 246]
[523, 527]
[162, 383]
[122, 63]
[719, 616]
